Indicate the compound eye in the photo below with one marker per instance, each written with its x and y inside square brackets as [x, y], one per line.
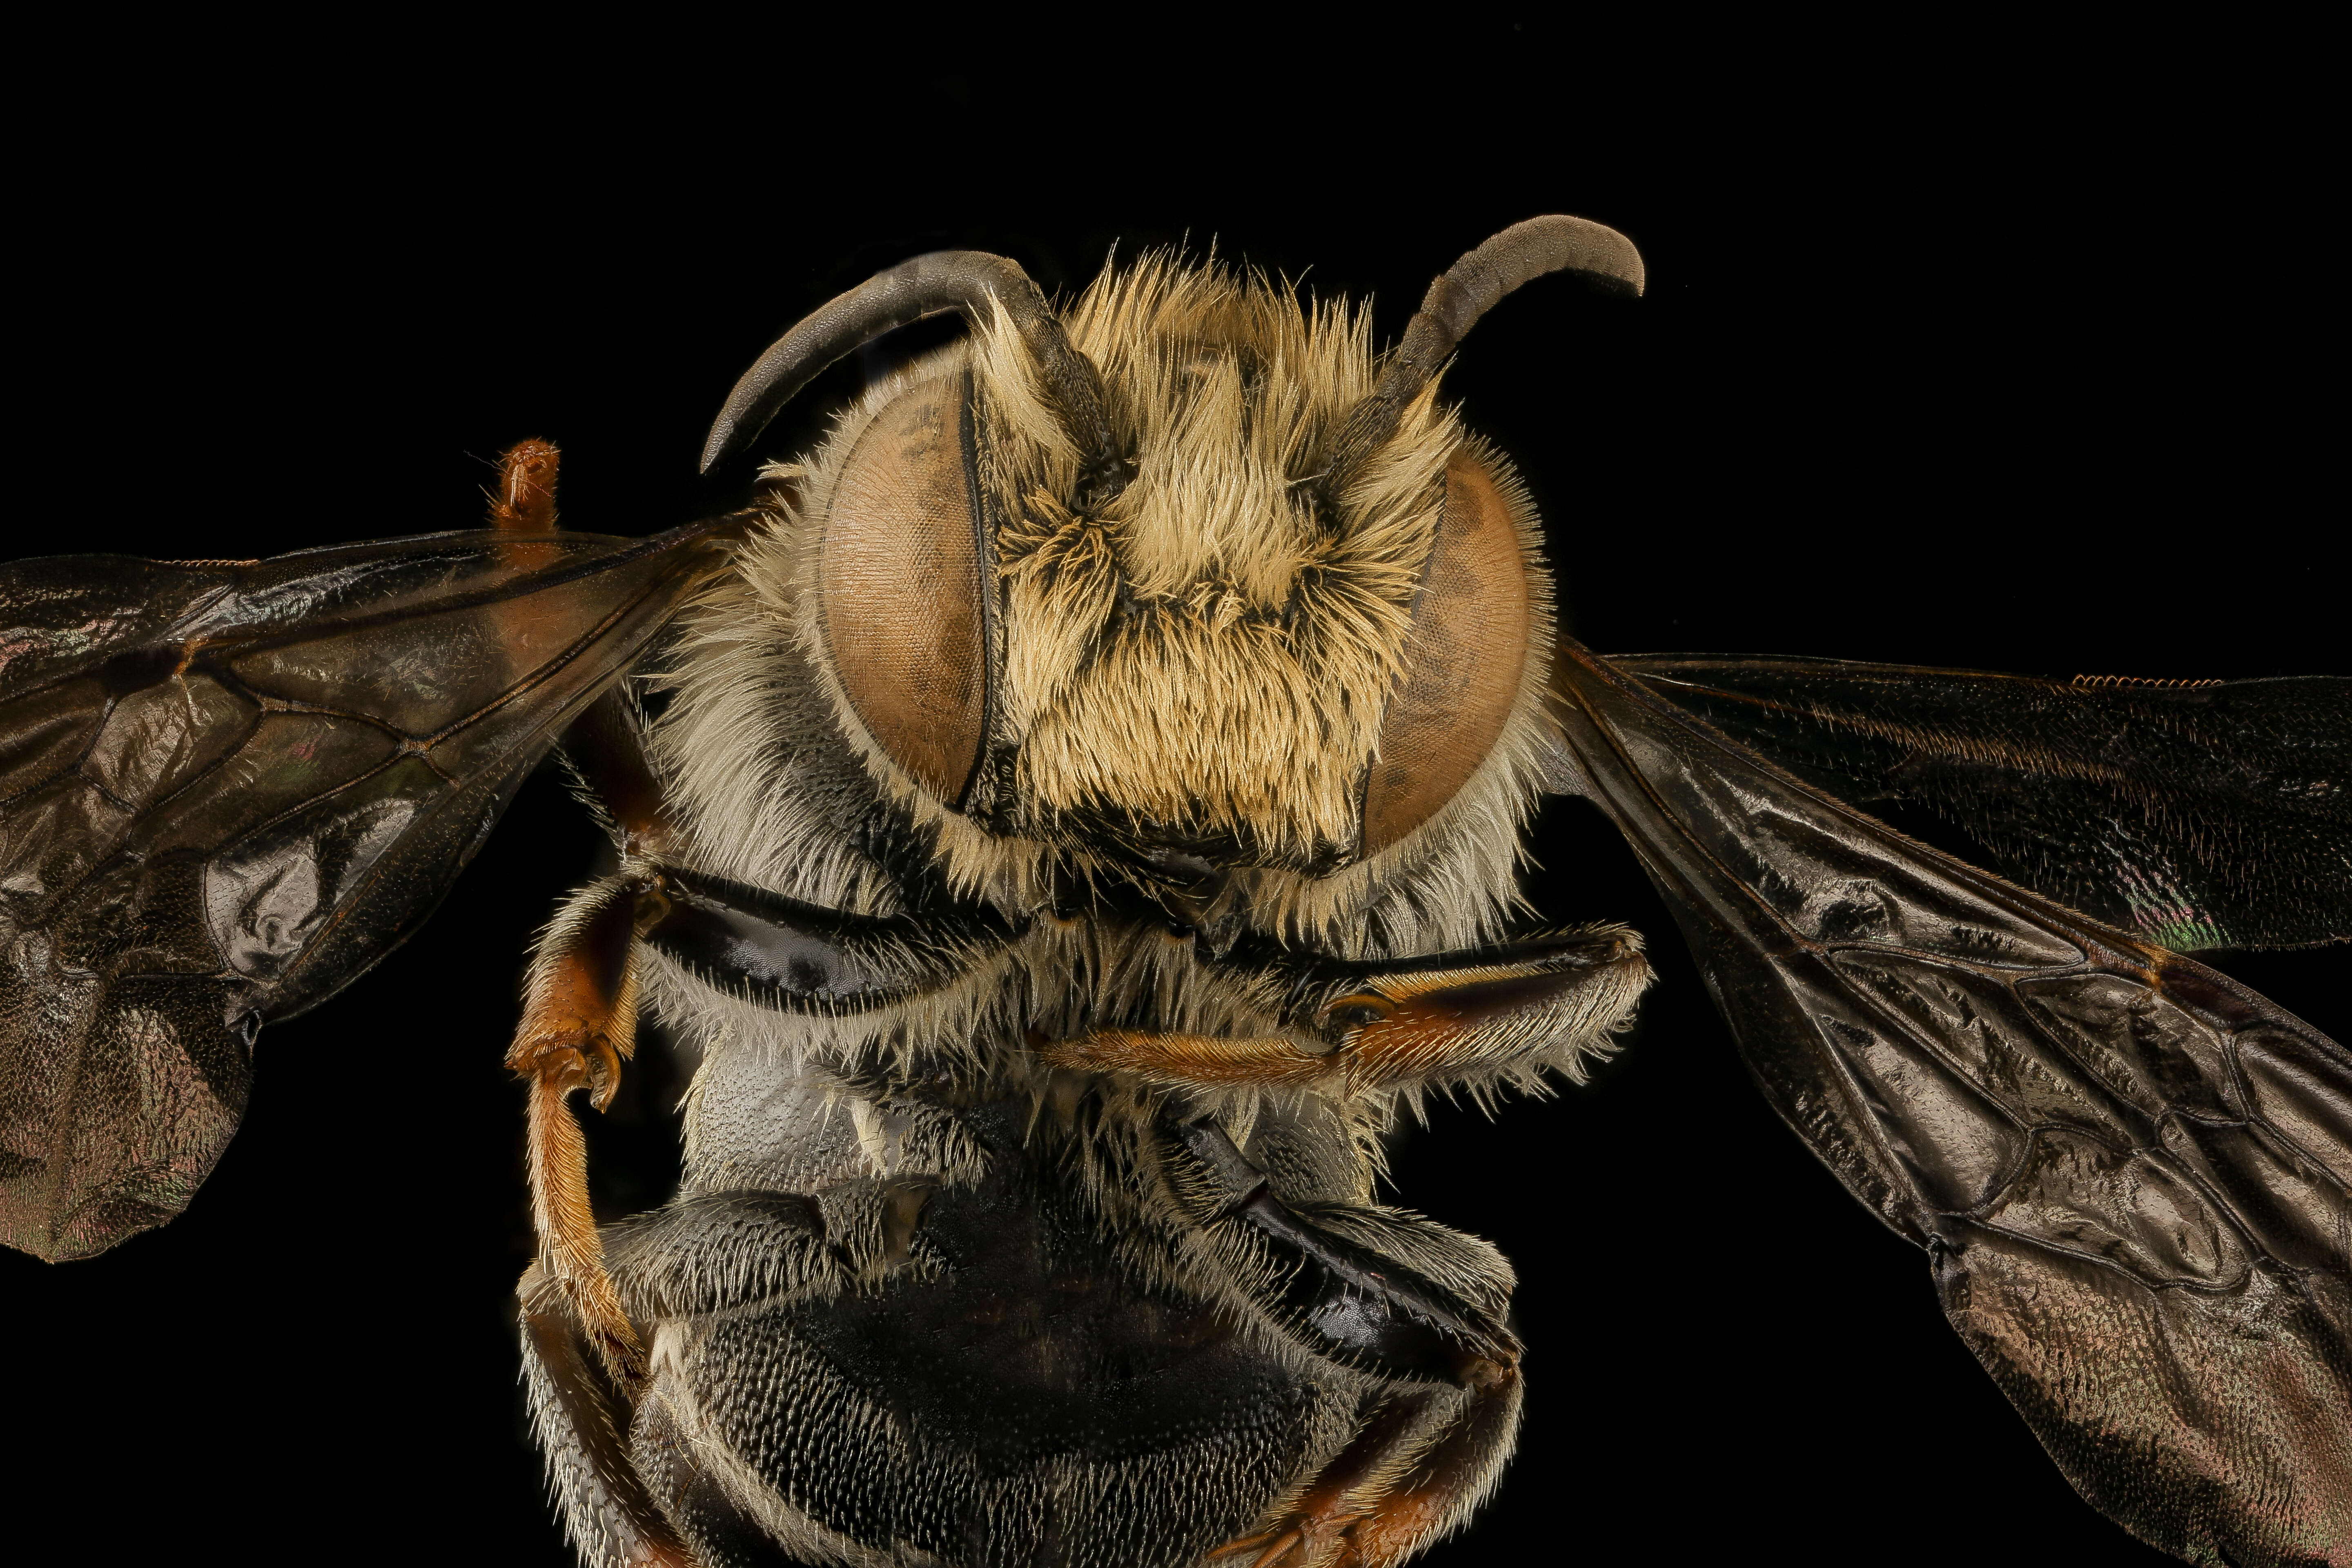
[1464, 661]
[900, 579]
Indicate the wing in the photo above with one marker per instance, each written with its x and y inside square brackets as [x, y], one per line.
[2199, 815]
[2131, 1173]
[227, 790]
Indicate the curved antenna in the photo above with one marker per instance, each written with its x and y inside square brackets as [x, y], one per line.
[1463, 292]
[965, 280]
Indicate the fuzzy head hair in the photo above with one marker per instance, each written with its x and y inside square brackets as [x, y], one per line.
[1182, 578]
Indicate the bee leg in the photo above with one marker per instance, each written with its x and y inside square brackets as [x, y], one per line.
[1420, 1464]
[605, 748]
[1394, 1519]
[602, 744]
[1468, 1016]
[603, 1502]
[579, 1024]
[524, 501]
[1367, 1027]
[1433, 1445]
[1195, 1061]
[1417, 1468]
[1331, 1505]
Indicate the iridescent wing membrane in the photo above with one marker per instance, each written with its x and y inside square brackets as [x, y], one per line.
[227, 789]
[2198, 815]
[2133, 1176]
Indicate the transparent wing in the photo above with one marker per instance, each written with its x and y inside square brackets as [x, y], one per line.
[225, 791]
[2205, 815]
[2133, 1176]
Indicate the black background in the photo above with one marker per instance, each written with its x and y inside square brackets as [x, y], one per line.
[1989, 352]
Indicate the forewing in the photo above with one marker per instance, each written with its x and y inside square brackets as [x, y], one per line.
[2210, 815]
[2131, 1173]
[225, 791]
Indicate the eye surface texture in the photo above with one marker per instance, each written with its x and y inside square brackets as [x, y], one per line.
[1469, 646]
[900, 580]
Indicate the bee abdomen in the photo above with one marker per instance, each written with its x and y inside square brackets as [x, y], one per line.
[1013, 1394]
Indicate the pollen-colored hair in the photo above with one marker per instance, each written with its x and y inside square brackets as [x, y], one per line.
[1211, 651]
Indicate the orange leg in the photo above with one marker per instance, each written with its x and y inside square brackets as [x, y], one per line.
[1428, 1445]
[1396, 1028]
[1394, 1490]
[579, 1021]
[579, 1024]
[1447, 1481]
[1195, 1060]
[1309, 1529]
[525, 501]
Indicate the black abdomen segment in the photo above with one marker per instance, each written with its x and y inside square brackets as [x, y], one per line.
[1012, 1394]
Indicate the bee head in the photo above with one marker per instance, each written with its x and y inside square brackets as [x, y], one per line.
[1182, 576]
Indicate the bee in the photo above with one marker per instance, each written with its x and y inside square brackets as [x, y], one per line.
[1066, 820]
